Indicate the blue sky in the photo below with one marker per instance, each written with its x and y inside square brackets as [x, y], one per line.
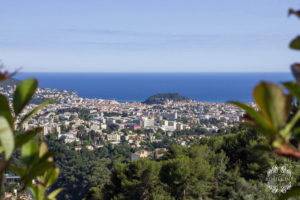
[148, 36]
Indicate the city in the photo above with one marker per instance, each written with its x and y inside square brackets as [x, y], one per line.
[73, 119]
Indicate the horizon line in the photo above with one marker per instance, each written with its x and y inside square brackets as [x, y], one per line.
[155, 72]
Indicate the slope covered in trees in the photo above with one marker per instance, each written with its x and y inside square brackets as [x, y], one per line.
[163, 97]
[221, 167]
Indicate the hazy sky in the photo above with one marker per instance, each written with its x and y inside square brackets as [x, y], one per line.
[148, 35]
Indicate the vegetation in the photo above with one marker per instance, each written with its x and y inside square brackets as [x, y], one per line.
[163, 97]
[36, 167]
[278, 117]
[221, 167]
[82, 170]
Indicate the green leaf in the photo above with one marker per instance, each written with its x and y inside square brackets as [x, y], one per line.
[29, 151]
[6, 138]
[25, 137]
[38, 192]
[253, 114]
[278, 143]
[20, 171]
[23, 94]
[35, 110]
[39, 166]
[43, 149]
[288, 128]
[293, 192]
[5, 110]
[37, 170]
[51, 176]
[293, 88]
[295, 43]
[272, 103]
[47, 155]
[53, 194]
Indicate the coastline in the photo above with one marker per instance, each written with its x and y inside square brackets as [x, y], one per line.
[136, 87]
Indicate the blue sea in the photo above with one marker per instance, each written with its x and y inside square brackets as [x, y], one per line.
[123, 87]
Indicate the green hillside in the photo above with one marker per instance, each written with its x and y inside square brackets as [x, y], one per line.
[163, 97]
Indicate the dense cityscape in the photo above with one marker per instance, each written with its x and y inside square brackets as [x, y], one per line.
[74, 119]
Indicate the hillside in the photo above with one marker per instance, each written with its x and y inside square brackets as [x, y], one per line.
[161, 98]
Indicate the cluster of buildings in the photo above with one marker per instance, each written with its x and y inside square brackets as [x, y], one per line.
[134, 123]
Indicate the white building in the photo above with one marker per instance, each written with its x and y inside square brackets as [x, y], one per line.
[147, 122]
[68, 138]
[114, 137]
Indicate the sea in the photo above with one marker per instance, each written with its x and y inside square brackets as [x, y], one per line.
[130, 87]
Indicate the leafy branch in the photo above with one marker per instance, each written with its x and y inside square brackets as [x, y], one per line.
[38, 172]
[276, 116]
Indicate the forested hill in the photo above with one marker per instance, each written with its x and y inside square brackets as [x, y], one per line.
[163, 97]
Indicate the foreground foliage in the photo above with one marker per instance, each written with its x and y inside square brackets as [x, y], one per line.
[277, 117]
[36, 167]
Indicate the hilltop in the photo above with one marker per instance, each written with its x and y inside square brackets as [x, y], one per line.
[163, 97]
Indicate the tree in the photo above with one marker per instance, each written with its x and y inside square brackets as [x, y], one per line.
[136, 180]
[187, 177]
